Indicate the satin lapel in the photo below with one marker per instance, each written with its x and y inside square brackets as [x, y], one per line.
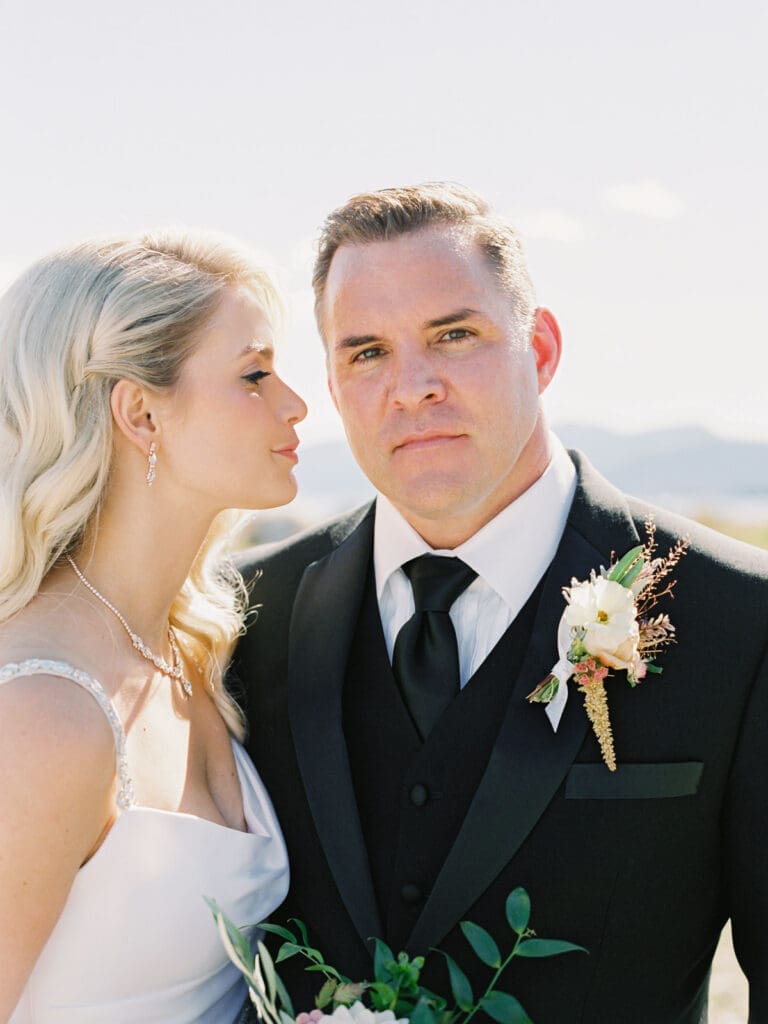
[529, 761]
[323, 621]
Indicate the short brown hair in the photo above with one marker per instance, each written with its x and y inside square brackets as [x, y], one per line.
[380, 216]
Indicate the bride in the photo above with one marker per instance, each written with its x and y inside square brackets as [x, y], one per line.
[138, 400]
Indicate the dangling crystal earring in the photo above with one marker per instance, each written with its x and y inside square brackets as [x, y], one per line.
[152, 462]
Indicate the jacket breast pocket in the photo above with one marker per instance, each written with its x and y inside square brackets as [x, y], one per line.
[633, 781]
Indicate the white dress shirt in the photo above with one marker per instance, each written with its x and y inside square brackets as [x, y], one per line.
[510, 554]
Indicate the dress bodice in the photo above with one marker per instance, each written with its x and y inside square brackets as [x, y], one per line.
[136, 941]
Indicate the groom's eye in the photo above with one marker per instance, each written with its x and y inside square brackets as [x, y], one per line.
[366, 354]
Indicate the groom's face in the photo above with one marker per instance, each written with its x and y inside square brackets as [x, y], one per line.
[436, 384]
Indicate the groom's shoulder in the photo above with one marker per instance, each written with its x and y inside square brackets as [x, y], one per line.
[293, 554]
[712, 554]
[708, 546]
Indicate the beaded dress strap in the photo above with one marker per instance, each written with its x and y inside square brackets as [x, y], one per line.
[40, 666]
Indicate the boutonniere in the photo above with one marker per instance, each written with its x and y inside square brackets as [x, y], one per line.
[607, 625]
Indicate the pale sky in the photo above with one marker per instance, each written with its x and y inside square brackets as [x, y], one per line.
[627, 143]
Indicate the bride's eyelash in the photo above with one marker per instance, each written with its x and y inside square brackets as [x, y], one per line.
[256, 377]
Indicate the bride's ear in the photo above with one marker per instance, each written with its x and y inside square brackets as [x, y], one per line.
[135, 414]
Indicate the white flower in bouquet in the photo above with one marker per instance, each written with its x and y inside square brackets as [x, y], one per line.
[357, 1013]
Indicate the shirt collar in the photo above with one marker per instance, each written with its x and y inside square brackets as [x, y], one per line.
[510, 553]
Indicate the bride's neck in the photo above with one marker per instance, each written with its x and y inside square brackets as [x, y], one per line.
[139, 561]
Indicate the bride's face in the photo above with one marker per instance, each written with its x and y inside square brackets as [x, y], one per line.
[228, 427]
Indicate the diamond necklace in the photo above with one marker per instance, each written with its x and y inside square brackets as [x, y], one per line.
[175, 670]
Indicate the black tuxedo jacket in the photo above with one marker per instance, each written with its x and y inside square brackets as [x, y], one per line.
[642, 866]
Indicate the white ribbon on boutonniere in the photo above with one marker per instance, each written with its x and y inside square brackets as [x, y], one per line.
[562, 672]
[606, 625]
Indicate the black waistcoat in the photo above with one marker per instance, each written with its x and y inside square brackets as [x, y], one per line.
[413, 797]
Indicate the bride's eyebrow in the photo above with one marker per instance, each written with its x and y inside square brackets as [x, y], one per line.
[256, 347]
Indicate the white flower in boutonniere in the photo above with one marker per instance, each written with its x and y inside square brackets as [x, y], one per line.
[607, 625]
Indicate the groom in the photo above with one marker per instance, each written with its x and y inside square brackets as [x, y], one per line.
[415, 784]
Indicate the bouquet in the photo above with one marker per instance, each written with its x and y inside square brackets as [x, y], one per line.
[395, 994]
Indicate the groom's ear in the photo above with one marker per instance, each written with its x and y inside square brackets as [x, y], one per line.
[546, 343]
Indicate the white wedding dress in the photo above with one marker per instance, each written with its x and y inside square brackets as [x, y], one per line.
[136, 942]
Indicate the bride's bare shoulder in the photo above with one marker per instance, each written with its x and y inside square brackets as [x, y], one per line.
[49, 721]
[57, 785]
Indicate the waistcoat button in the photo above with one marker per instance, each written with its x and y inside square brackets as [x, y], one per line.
[411, 893]
[419, 795]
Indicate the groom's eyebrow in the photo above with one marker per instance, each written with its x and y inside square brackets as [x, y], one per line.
[358, 340]
[451, 318]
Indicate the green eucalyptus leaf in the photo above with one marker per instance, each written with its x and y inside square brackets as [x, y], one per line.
[268, 972]
[438, 1002]
[460, 986]
[323, 969]
[282, 994]
[237, 948]
[213, 906]
[239, 941]
[287, 950]
[287, 1018]
[504, 1009]
[482, 943]
[621, 568]
[547, 947]
[422, 1013]
[235, 936]
[382, 956]
[261, 1010]
[276, 929]
[302, 929]
[325, 995]
[518, 910]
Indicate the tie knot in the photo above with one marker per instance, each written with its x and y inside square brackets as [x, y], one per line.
[437, 581]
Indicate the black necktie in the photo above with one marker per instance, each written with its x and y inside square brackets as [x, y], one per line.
[426, 657]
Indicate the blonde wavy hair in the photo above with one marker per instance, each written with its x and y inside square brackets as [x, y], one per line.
[70, 327]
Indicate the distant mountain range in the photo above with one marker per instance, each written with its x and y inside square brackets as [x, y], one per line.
[687, 469]
[689, 463]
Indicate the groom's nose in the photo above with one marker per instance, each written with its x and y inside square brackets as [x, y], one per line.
[416, 376]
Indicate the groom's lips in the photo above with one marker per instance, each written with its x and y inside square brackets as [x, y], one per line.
[426, 440]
